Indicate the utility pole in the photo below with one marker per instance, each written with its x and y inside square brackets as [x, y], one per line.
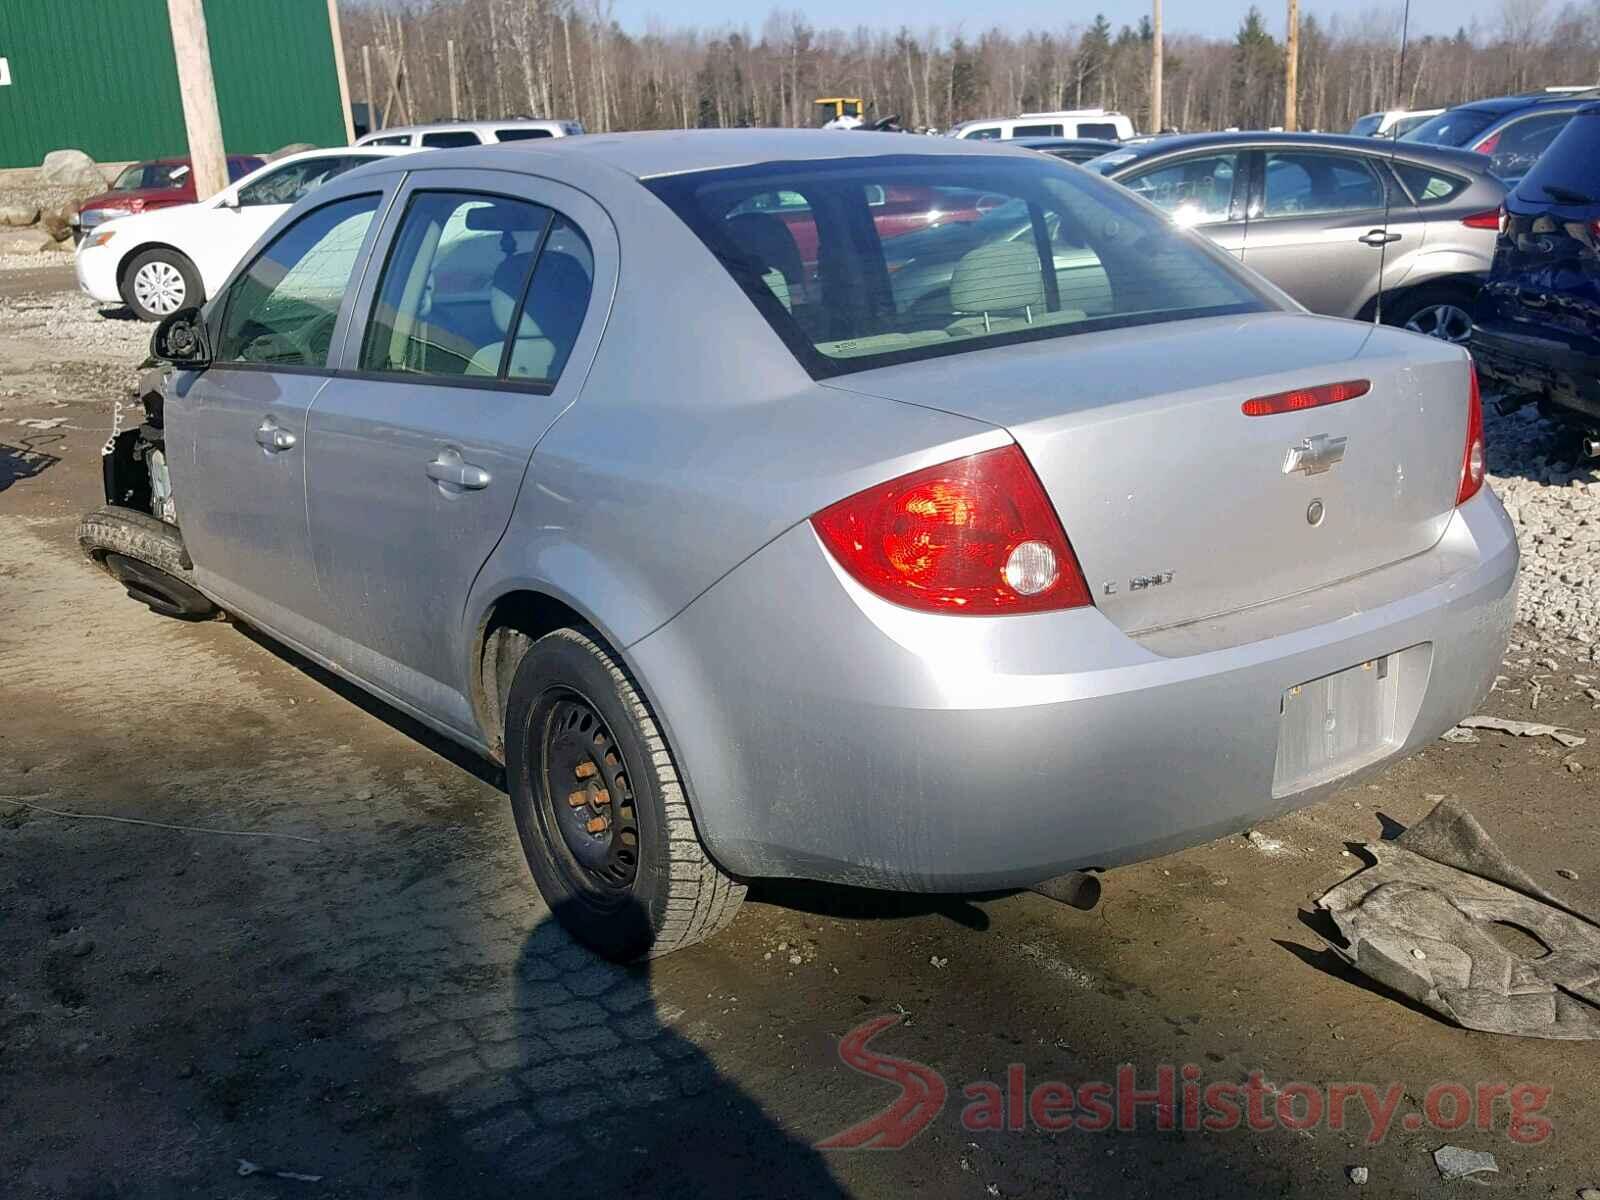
[1291, 70]
[455, 103]
[1156, 124]
[201, 120]
[337, 34]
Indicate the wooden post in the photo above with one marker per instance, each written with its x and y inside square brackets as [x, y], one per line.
[366, 84]
[455, 103]
[202, 122]
[1291, 70]
[1156, 123]
[338, 65]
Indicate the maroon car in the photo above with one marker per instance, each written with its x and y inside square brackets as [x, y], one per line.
[159, 183]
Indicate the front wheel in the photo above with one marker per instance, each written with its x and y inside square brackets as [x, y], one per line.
[600, 809]
[159, 282]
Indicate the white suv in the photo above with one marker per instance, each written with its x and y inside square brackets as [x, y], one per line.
[448, 134]
[1076, 123]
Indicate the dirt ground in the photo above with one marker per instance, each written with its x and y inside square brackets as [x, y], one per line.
[350, 977]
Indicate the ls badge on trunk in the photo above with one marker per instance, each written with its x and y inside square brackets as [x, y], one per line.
[1314, 455]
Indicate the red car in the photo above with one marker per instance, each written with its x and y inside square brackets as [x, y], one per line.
[160, 183]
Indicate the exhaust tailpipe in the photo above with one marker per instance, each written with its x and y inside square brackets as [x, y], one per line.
[1079, 889]
[1590, 444]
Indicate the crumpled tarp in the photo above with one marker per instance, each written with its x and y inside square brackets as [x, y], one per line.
[1420, 922]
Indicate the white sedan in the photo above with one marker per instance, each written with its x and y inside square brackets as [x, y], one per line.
[159, 262]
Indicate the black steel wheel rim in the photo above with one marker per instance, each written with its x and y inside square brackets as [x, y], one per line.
[586, 796]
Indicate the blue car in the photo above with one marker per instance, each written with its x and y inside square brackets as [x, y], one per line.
[1512, 130]
[1536, 328]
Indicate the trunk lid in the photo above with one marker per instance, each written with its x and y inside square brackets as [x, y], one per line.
[1178, 505]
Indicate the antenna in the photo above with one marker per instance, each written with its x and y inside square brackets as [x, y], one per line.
[1394, 149]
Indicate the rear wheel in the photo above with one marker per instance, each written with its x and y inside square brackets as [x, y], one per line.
[600, 809]
[1441, 310]
[159, 282]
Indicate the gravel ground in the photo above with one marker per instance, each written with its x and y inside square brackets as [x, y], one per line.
[1556, 506]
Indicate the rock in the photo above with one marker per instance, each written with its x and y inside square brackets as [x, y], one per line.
[26, 241]
[1589, 1193]
[1566, 872]
[72, 170]
[19, 214]
[1456, 1163]
[1358, 1175]
[291, 148]
[55, 224]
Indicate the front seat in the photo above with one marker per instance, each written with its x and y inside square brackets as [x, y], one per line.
[768, 248]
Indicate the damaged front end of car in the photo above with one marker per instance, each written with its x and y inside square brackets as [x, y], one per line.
[135, 535]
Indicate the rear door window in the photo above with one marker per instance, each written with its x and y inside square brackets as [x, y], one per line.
[282, 311]
[1196, 191]
[399, 139]
[522, 134]
[1300, 184]
[1089, 129]
[1454, 128]
[448, 139]
[1036, 131]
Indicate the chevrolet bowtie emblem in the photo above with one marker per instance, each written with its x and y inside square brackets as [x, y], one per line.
[1314, 454]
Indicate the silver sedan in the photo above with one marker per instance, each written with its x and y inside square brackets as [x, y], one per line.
[1334, 220]
[652, 467]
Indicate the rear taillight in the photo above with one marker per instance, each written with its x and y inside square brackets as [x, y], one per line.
[1303, 398]
[1474, 462]
[1488, 144]
[1493, 218]
[976, 536]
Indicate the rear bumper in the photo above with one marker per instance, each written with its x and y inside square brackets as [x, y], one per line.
[1567, 380]
[826, 734]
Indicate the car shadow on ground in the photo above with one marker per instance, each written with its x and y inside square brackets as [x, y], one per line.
[18, 463]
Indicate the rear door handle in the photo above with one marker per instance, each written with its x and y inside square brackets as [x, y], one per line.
[272, 437]
[1378, 237]
[449, 467]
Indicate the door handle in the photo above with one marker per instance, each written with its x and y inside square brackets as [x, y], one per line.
[1378, 237]
[450, 468]
[272, 437]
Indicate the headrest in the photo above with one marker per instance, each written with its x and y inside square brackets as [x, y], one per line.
[999, 277]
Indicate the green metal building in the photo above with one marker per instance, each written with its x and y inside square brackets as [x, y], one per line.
[100, 76]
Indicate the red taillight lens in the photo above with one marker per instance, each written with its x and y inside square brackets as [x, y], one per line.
[1488, 144]
[1303, 398]
[976, 536]
[1474, 461]
[1492, 218]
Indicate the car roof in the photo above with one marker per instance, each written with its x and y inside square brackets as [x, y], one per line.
[676, 151]
[1501, 105]
[1465, 160]
[475, 123]
[1062, 143]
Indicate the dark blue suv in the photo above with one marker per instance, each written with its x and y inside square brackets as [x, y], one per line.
[1536, 328]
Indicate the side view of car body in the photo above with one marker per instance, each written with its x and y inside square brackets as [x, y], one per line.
[148, 186]
[1334, 220]
[157, 263]
[1512, 130]
[449, 135]
[1073, 123]
[1536, 329]
[936, 596]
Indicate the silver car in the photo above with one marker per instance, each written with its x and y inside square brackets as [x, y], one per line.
[632, 466]
[1332, 219]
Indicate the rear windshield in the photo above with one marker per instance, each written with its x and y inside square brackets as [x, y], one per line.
[1454, 128]
[521, 133]
[1569, 171]
[970, 252]
[1368, 125]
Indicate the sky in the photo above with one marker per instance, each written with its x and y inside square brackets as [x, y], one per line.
[1218, 18]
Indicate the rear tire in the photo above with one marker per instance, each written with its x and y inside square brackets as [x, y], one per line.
[157, 283]
[600, 808]
[1438, 310]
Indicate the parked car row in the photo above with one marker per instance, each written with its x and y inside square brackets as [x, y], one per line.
[988, 507]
